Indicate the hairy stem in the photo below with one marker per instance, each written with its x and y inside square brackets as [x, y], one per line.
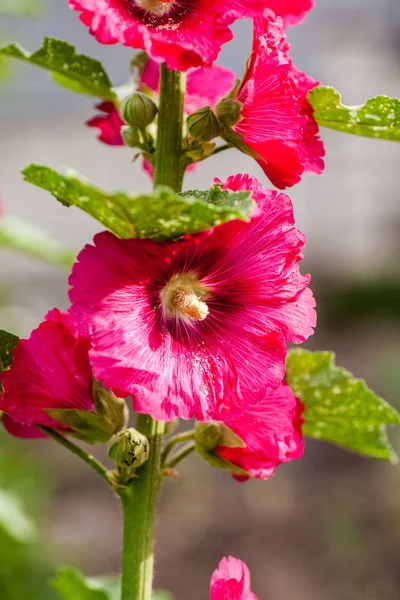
[168, 169]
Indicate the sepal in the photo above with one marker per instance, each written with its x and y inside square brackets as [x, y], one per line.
[210, 435]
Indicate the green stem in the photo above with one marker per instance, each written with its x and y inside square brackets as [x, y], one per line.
[88, 458]
[168, 169]
[139, 498]
[180, 438]
[179, 456]
[139, 506]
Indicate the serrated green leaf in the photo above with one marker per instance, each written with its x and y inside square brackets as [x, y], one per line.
[162, 216]
[76, 72]
[24, 237]
[70, 584]
[378, 118]
[8, 341]
[340, 408]
[23, 8]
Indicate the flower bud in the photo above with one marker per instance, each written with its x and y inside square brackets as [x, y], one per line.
[203, 125]
[228, 112]
[210, 435]
[139, 110]
[129, 448]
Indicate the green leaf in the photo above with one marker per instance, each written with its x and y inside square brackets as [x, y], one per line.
[14, 520]
[339, 408]
[72, 585]
[76, 72]
[23, 8]
[24, 237]
[378, 118]
[162, 216]
[8, 341]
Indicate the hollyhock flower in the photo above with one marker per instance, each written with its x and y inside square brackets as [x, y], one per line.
[271, 430]
[183, 33]
[196, 327]
[231, 581]
[292, 11]
[49, 370]
[277, 122]
[108, 123]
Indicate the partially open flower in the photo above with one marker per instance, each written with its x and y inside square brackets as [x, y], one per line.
[231, 581]
[271, 431]
[196, 327]
[50, 370]
[109, 124]
[183, 33]
[276, 123]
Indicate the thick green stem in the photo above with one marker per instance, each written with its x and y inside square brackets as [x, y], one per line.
[168, 169]
[139, 501]
[139, 498]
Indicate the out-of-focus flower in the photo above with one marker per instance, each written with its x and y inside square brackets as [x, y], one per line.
[231, 581]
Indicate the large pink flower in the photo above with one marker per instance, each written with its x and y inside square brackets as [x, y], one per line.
[271, 430]
[292, 11]
[49, 370]
[231, 581]
[183, 33]
[277, 121]
[196, 327]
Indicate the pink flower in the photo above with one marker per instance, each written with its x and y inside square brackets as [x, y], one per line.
[183, 33]
[277, 121]
[196, 327]
[292, 11]
[49, 370]
[109, 124]
[231, 581]
[271, 430]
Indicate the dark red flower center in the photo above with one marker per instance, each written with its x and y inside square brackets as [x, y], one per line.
[158, 13]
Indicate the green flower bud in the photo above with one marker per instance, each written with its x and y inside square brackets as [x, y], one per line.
[203, 125]
[129, 448]
[139, 110]
[228, 112]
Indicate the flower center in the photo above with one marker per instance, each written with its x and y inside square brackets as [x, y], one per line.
[156, 7]
[183, 297]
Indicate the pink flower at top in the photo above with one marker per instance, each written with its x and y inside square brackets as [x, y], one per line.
[49, 370]
[183, 33]
[196, 327]
[292, 11]
[277, 121]
[271, 430]
[231, 581]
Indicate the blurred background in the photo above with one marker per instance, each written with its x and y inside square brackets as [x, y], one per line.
[326, 527]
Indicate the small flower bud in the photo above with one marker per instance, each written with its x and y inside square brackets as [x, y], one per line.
[129, 448]
[228, 112]
[203, 125]
[139, 110]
